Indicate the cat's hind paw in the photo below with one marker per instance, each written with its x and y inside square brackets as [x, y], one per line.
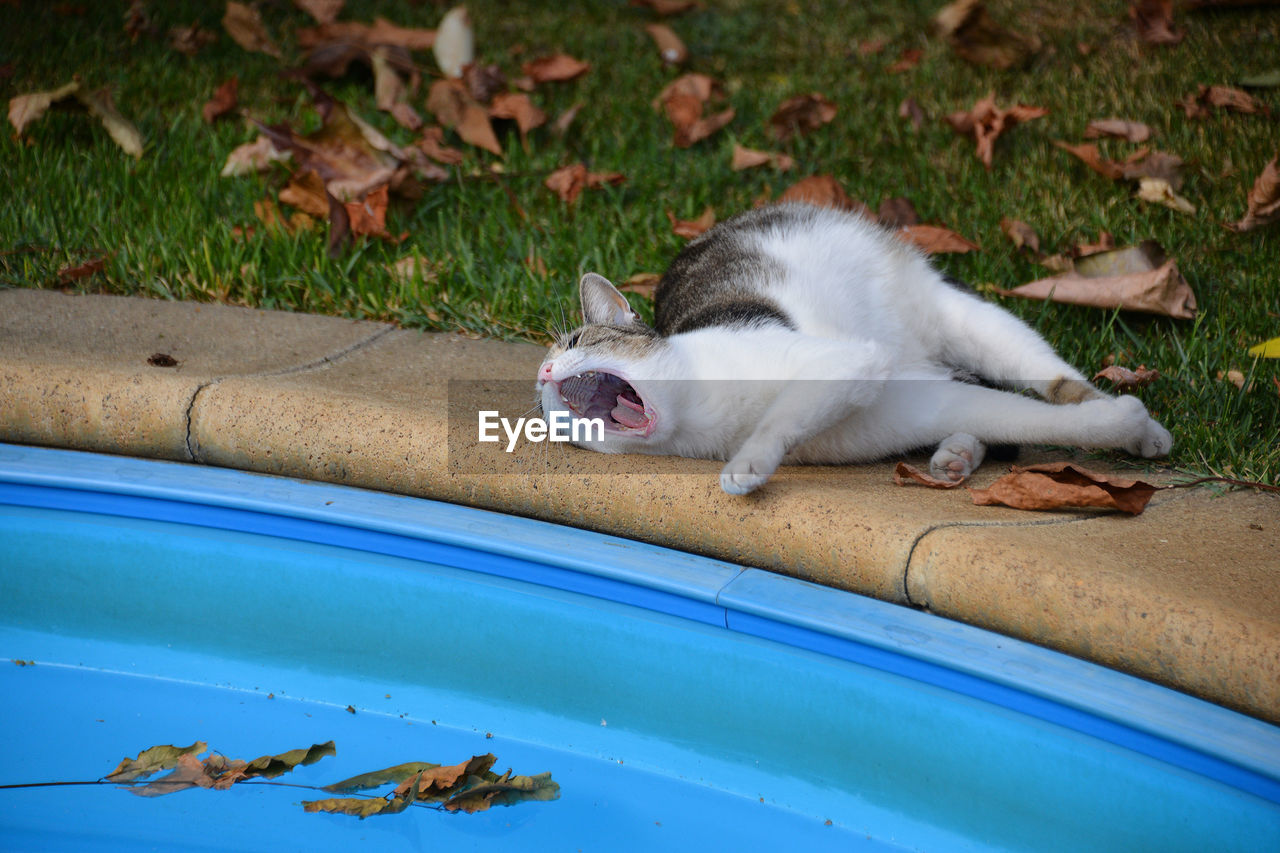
[957, 457]
[1154, 441]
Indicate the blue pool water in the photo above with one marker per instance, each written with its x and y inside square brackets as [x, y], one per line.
[680, 703]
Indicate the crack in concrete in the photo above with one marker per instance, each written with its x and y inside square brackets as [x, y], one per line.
[193, 448]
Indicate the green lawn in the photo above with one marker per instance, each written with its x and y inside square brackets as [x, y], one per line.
[173, 227]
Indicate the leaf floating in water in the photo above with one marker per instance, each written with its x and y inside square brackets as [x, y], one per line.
[378, 778]
[153, 760]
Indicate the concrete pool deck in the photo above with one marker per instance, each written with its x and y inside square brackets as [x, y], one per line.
[1186, 594]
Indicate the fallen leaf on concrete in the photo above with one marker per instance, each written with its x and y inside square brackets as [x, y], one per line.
[670, 47]
[1158, 191]
[1221, 97]
[1062, 485]
[1153, 20]
[1136, 279]
[1123, 379]
[556, 68]
[985, 122]
[1263, 202]
[1132, 131]
[904, 473]
[977, 38]
[801, 114]
[936, 240]
[244, 25]
[690, 228]
[1266, 349]
[749, 158]
[454, 46]
[222, 102]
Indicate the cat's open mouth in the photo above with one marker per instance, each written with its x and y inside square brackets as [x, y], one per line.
[609, 397]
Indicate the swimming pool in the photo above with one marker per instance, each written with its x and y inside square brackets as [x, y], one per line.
[679, 702]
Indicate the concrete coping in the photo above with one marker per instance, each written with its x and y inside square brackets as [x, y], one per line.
[1186, 594]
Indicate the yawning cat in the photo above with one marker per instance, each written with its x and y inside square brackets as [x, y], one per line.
[795, 333]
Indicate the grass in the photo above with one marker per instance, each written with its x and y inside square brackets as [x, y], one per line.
[169, 221]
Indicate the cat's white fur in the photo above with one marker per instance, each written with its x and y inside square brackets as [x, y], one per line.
[866, 371]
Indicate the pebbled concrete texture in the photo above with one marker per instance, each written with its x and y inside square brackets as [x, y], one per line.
[1187, 594]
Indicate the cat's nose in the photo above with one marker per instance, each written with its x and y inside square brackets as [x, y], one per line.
[544, 372]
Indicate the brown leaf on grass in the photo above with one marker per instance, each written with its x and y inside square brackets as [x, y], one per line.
[1135, 279]
[1235, 377]
[1133, 131]
[690, 228]
[432, 144]
[749, 158]
[897, 213]
[683, 101]
[800, 114]
[1022, 234]
[911, 111]
[223, 101]
[907, 60]
[24, 109]
[561, 125]
[1158, 191]
[189, 40]
[255, 156]
[1105, 243]
[366, 36]
[568, 182]
[244, 25]
[1153, 20]
[670, 47]
[556, 68]
[985, 122]
[517, 107]
[350, 155]
[455, 45]
[70, 273]
[1221, 97]
[390, 92]
[978, 39]
[1263, 201]
[1141, 164]
[269, 215]
[936, 240]
[904, 474]
[324, 11]
[667, 7]
[824, 191]
[306, 192]
[484, 81]
[1063, 485]
[1123, 379]
[643, 283]
[698, 86]
[454, 108]
[1089, 155]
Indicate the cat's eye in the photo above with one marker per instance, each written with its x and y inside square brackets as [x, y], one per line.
[572, 340]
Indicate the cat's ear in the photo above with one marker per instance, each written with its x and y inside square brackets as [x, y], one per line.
[602, 303]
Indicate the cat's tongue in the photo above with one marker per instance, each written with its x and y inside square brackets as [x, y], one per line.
[629, 414]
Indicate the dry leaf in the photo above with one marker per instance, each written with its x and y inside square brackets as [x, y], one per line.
[251, 157]
[698, 86]
[907, 60]
[561, 125]
[1153, 20]
[1022, 234]
[412, 268]
[68, 274]
[897, 213]
[556, 68]
[690, 228]
[683, 101]
[667, 7]
[1141, 164]
[432, 144]
[454, 46]
[1089, 155]
[1134, 279]
[324, 11]
[904, 473]
[389, 90]
[244, 25]
[670, 48]
[1060, 485]
[824, 191]
[366, 36]
[936, 240]
[222, 102]
[189, 40]
[1158, 191]
[977, 38]
[368, 216]
[1235, 377]
[454, 107]
[801, 114]
[985, 122]
[569, 181]
[911, 111]
[189, 772]
[643, 283]
[1263, 200]
[1123, 379]
[1221, 97]
[748, 158]
[518, 107]
[1133, 131]
[306, 192]
[25, 109]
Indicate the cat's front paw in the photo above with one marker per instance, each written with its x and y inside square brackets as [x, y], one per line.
[957, 457]
[745, 474]
[1153, 440]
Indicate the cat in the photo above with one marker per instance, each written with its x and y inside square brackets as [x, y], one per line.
[801, 334]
